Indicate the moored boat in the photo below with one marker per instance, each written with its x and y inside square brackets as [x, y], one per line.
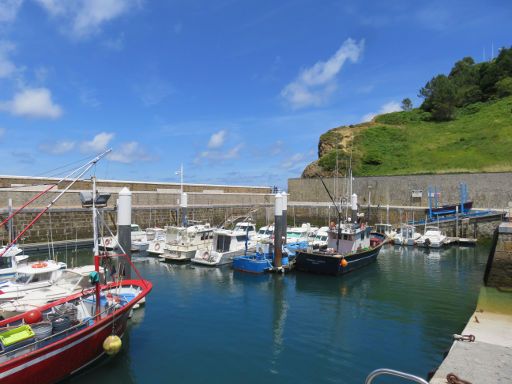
[350, 246]
[72, 342]
[226, 245]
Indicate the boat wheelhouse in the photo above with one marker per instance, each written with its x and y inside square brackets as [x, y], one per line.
[182, 243]
[226, 244]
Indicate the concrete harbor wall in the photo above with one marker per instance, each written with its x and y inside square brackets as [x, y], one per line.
[484, 353]
[154, 204]
[487, 190]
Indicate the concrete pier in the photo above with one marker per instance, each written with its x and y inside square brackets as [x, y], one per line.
[485, 353]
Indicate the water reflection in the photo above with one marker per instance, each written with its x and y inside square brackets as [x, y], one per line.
[214, 324]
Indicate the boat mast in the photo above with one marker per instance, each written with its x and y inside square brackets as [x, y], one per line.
[86, 167]
[339, 215]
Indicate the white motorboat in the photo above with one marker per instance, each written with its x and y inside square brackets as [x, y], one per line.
[407, 235]
[246, 227]
[157, 242]
[321, 238]
[12, 262]
[225, 246]
[138, 237]
[265, 233]
[298, 234]
[30, 277]
[68, 283]
[432, 238]
[386, 230]
[183, 242]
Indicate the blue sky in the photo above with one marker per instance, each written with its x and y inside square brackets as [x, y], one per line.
[237, 91]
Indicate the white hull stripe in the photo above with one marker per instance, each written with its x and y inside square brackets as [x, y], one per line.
[51, 354]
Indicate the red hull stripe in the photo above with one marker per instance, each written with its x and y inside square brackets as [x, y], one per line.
[51, 354]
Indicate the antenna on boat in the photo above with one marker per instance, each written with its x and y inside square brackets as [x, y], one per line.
[337, 210]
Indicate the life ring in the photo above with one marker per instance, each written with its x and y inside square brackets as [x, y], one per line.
[39, 265]
[107, 241]
[206, 255]
[157, 246]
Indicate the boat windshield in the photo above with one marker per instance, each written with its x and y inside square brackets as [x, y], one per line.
[262, 231]
[23, 278]
[5, 262]
[68, 279]
[294, 235]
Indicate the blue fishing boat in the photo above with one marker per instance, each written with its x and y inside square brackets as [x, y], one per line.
[262, 260]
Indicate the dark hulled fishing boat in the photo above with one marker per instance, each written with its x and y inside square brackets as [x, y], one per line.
[349, 247]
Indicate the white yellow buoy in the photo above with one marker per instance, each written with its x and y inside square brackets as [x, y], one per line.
[112, 345]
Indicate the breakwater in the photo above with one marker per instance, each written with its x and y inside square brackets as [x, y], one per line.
[154, 205]
[486, 190]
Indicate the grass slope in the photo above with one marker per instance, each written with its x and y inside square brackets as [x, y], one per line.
[478, 140]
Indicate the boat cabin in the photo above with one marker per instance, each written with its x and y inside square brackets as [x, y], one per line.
[352, 237]
[226, 241]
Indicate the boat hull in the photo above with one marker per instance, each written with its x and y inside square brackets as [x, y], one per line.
[62, 358]
[251, 264]
[330, 264]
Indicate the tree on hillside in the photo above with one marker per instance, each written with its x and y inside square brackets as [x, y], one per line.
[465, 77]
[504, 87]
[406, 104]
[440, 98]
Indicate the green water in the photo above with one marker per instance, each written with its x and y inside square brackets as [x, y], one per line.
[214, 325]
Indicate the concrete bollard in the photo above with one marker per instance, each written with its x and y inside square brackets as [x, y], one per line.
[124, 223]
[284, 216]
[183, 207]
[278, 229]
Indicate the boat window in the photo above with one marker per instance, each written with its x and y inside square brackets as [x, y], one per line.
[5, 262]
[241, 239]
[135, 228]
[23, 278]
[261, 232]
[324, 238]
[251, 229]
[223, 243]
[68, 278]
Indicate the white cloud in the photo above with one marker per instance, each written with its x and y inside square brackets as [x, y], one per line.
[314, 85]
[86, 17]
[9, 10]
[217, 155]
[392, 106]
[98, 144]
[57, 148]
[294, 161]
[33, 102]
[217, 139]
[7, 67]
[128, 153]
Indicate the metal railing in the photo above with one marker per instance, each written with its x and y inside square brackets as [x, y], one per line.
[391, 372]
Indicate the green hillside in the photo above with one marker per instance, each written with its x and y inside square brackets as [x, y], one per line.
[479, 139]
[463, 125]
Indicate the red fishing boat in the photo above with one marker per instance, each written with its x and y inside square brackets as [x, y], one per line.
[79, 328]
[52, 342]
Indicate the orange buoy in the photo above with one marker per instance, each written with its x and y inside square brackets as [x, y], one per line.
[39, 265]
[343, 263]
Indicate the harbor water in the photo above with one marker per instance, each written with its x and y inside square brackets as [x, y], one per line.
[214, 325]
